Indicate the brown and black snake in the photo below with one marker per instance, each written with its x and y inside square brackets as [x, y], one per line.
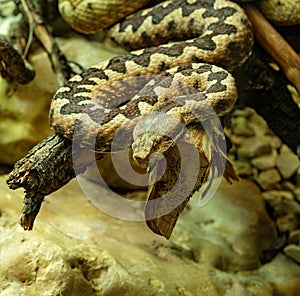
[174, 47]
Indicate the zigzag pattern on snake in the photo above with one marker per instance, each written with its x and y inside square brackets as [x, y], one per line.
[218, 31]
[176, 78]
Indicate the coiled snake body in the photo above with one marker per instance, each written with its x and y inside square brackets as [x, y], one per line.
[211, 31]
[184, 42]
[88, 16]
[219, 34]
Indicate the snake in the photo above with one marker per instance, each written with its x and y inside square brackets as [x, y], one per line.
[180, 57]
[283, 12]
[216, 32]
[89, 16]
[179, 60]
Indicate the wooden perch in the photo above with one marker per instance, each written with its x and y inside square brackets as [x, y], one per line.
[45, 169]
[275, 45]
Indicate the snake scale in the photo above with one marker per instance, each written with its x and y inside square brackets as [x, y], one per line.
[89, 16]
[219, 33]
[172, 45]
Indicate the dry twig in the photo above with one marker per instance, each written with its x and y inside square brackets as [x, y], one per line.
[38, 27]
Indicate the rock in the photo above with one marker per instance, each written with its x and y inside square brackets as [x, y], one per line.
[274, 197]
[253, 147]
[245, 112]
[240, 127]
[293, 251]
[297, 177]
[268, 179]
[288, 215]
[294, 94]
[289, 186]
[283, 275]
[287, 223]
[257, 123]
[234, 139]
[287, 162]
[297, 193]
[75, 249]
[287, 206]
[265, 161]
[294, 237]
[244, 169]
[275, 142]
[234, 232]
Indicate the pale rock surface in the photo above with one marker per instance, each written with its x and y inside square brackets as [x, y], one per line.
[274, 197]
[287, 213]
[294, 237]
[297, 193]
[268, 179]
[75, 249]
[288, 222]
[240, 126]
[244, 169]
[287, 162]
[293, 251]
[24, 108]
[255, 146]
[289, 186]
[278, 273]
[266, 161]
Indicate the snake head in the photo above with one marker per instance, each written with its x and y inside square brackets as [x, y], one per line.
[149, 148]
[153, 137]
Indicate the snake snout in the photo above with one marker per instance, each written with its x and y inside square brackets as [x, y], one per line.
[143, 146]
[149, 148]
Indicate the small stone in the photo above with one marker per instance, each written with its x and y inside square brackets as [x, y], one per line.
[294, 237]
[287, 223]
[275, 142]
[236, 140]
[287, 185]
[297, 193]
[287, 213]
[293, 251]
[258, 124]
[268, 179]
[245, 112]
[294, 94]
[287, 207]
[254, 146]
[297, 178]
[241, 127]
[265, 161]
[244, 169]
[274, 197]
[287, 162]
